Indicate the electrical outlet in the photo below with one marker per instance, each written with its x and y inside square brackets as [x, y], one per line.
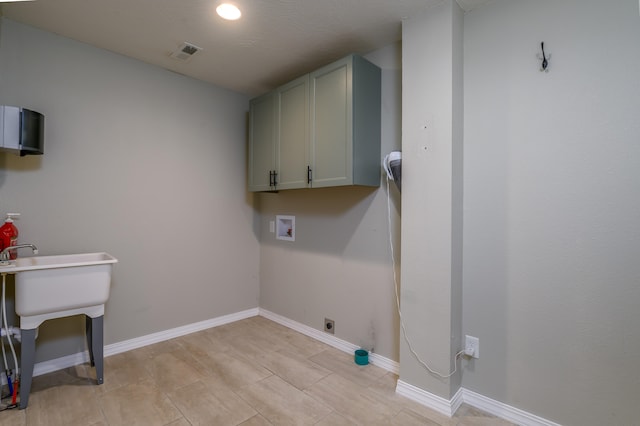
[329, 325]
[472, 346]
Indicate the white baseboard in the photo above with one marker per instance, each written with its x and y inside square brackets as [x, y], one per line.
[422, 397]
[127, 345]
[491, 406]
[437, 403]
[331, 340]
[457, 401]
[502, 410]
[52, 365]
[161, 336]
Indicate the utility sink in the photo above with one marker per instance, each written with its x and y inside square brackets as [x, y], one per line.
[49, 287]
[55, 286]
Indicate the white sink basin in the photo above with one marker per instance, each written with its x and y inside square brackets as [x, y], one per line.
[53, 262]
[55, 286]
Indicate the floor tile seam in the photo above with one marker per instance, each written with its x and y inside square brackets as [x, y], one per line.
[279, 352]
[157, 390]
[317, 367]
[283, 345]
[175, 405]
[265, 415]
[162, 389]
[378, 399]
[230, 348]
[237, 395]
[396, 408]
[339, 373]
[39, 403]
[250, 358]
[344, 414]
[298, 349]
[411, 412]
[104, 415]
[237, 353]
[321, 401]
[323, 366]
[293, 384]
[251, 362]
[408, 406]
[265, 419]
[273, 373]
[317, 364]
[320, 379]
[193, 358]
[314, 354]
[114, 388]
[246, 401]
[361, 393]
[203, 370]
[100, 403]
[393, 398]
[333, 411]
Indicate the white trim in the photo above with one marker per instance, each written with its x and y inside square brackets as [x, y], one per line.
[52, 365]
[138, 342]
[457, 400]
[331, 340]
[161, 336]
[502, 410]
[422, 397]
[491, 406]
[384, 363]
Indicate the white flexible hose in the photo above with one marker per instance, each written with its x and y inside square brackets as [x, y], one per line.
[4, 353]
[395, 282]
[6, 326]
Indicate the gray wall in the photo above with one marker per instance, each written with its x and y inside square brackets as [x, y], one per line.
[339, 266]
[142, 163]
[552, 201]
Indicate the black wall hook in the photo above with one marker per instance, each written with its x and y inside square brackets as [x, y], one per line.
[545, 59]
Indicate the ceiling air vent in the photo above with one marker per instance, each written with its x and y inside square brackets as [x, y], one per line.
[186, 51]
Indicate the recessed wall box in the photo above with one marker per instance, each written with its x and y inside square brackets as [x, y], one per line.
[286, 228]
[21, 131]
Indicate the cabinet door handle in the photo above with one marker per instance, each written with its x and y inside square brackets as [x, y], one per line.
[309, 173]
[275, 180]
[270, 177]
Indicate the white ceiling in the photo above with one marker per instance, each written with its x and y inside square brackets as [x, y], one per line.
[274, 41]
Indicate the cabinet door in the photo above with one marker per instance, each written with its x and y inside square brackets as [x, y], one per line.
[292, 156]
[262, 139]
[331, 124]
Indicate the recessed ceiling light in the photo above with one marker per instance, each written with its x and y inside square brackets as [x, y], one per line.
[228, 11]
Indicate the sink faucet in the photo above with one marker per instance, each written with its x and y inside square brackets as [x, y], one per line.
[4, 255]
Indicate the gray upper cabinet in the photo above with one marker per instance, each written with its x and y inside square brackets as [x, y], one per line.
[325, 129]
[345, 123]
[262, 142]
[292, 124]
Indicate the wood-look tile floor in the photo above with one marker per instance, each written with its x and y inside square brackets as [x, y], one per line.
[251, 372]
